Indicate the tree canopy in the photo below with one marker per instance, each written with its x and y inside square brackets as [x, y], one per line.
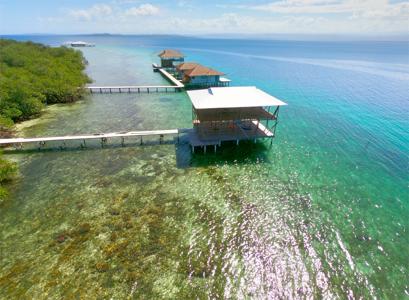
[33, 75]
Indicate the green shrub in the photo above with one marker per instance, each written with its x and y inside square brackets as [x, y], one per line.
[8, 170]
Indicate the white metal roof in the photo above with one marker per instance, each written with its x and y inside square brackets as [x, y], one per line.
[232, 97]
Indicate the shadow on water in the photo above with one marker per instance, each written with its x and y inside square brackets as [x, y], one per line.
[247, 152]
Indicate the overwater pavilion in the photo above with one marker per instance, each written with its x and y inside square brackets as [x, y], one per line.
[169, 58]
[195, 75]
[232, 114]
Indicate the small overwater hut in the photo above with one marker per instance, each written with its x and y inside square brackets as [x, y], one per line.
[232, 114]
[197, 75]
[169, 58]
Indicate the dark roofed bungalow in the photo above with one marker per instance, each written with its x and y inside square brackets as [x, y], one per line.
[196, 75]
[169, 57]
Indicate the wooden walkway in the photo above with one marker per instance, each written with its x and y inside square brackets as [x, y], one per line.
[172, 79]
[176, 87]
[133, 89]
[19, 142]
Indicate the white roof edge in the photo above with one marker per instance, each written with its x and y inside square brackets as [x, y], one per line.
[232, 97]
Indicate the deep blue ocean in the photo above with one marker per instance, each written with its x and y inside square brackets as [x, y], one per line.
[324, 213]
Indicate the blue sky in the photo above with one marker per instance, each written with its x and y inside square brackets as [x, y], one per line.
[368, 17]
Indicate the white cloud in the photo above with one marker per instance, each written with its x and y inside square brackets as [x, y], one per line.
[185, 4]
[94, 12]
[364, 8]
[289, 17]
[286, 24]
[143, 10]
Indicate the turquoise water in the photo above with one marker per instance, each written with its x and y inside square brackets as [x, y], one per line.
[322, 213]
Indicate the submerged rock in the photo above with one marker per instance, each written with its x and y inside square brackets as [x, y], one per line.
[83, 228]
[114, 212]
[102, 267]
[61, 238]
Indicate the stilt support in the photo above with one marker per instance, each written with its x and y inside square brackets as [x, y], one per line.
[103, 141]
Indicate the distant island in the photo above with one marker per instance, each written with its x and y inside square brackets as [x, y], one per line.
[32, 76]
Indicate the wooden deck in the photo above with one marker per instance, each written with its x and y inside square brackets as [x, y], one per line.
[214, 136]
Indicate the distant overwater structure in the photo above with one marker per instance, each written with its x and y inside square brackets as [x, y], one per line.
[79, 44]
[169, 58]
[191, 74]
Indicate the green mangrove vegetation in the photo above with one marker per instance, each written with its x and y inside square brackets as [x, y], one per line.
[32, 76]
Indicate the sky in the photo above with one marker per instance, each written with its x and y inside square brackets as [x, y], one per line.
[198, 17]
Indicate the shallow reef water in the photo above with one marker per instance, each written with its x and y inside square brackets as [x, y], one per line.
[321, 213]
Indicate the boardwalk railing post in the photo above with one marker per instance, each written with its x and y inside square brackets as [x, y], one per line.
[41, 144]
